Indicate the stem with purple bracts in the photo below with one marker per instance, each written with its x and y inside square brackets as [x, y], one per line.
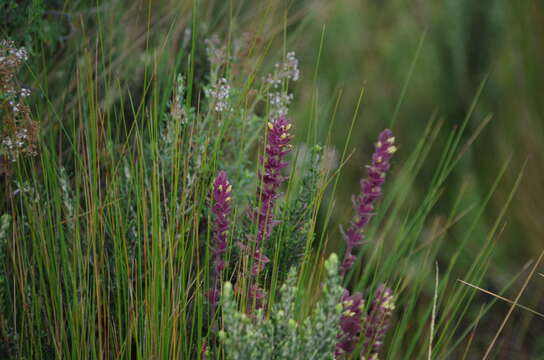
[277, 147]
[221, 209]
[371, 190]
[351, 323]
[378, 322]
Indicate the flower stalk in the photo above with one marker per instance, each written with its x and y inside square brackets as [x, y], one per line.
[277, 147]
[221, 209]
[351, 323]
[371, 191]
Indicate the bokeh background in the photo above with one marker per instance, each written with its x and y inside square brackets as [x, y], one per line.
[415, 60]
[433, 57]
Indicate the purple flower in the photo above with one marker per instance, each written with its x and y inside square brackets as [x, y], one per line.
[351, 323]
[371, 190]
[277, 147]
[378, 322]
[221, 209]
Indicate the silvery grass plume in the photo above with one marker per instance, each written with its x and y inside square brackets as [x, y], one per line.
[277, 147]
[221, 209]
[371, 190]
[280, 336]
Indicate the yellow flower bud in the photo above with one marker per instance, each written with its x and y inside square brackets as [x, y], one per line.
[391, 149]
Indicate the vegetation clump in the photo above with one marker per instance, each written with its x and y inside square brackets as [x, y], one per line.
[178, 192]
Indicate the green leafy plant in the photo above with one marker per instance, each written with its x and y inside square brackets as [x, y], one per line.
[279, 335]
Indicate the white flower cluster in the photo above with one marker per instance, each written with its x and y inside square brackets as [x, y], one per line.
[10, 55]
[290, 66]
[11, 59]
[279, 103]
[219, 94]
[15, 106]
[280, 99]
[16, 125]
[20, 53]
[16, 143]
[25, 92]
[13, 103]
[285, 71]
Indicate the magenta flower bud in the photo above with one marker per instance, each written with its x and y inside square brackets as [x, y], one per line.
[378, 322]
[221, 209]
[351, 323]
[371, 190]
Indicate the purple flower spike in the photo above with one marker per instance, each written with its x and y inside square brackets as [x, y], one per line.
[350, 323]
[378, 322]
[221, 209]
[371, 190]
[277, 148]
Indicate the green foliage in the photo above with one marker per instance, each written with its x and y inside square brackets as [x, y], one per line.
[21, 20]
[279, 335]
[296, 229]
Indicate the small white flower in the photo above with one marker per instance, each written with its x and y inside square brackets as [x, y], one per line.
[287, 70]
[279, 103]
[25, 92]
[219, 94]
[291, 66]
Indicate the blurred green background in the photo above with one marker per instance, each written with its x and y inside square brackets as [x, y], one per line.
[433, 56]
[414, 59]
[372, 44]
